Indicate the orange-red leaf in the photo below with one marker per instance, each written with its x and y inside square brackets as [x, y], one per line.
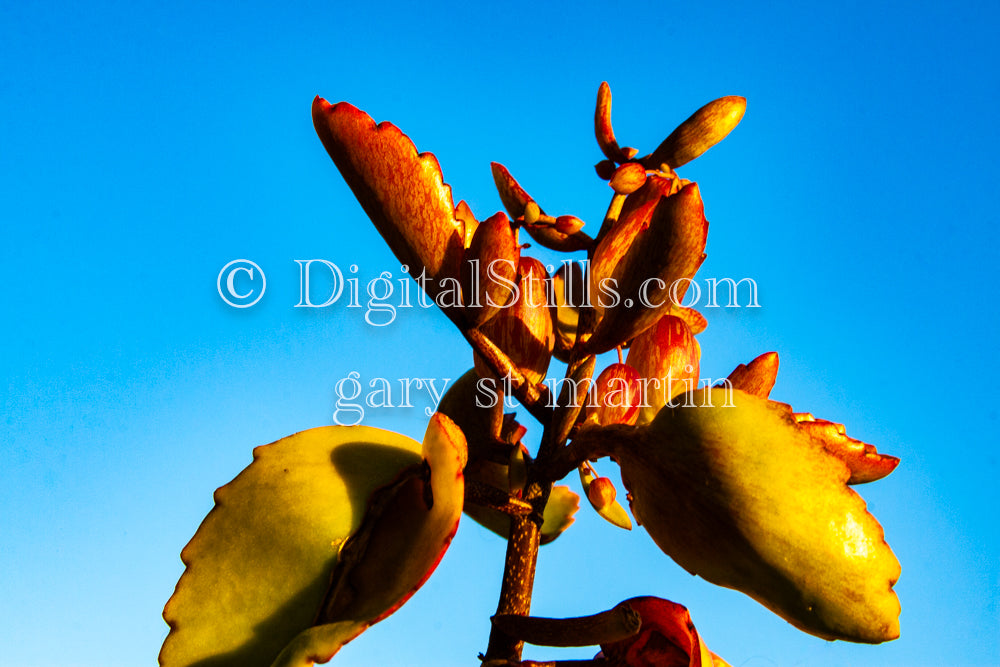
[402, 191]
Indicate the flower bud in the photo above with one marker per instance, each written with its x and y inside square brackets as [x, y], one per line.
[667, 357]
[490, 269]
[531, 213]
[601, 493]
[736, 492]
[603, 498]
[402, 191]
[617, 395]
[628, 178]
[568, 224]
[666, 638]
[706, 127]
[523, 329]
[758, 376]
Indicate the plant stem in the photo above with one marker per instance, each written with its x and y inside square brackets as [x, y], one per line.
[588, 443]
[518, 581]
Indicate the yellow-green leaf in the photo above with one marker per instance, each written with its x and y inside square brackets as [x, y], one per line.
[745, 498]
[260, 564]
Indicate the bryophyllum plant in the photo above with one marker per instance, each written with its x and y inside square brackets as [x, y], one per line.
[332, 529]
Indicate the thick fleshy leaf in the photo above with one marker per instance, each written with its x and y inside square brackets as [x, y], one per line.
[318, 644]
[645, 264]
[466, 403]
[523, 329]
[398, 546]
[464, 215]
[405, 533]
[569, 291]
[740, 495]
[402, 191]
[260, 565]
[459, 403]
[865, 462]
[559, 512]
[489, 272]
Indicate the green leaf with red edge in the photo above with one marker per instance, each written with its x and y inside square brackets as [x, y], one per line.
[403, 192]
[259, 567]
[735, 491]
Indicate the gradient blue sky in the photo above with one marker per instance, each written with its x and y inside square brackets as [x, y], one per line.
[144, 145]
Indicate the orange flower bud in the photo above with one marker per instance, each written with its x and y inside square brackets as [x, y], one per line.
[628, 178]
[490, 269]
[758, 377]
[603, 498]
[568, 224]
[523, 329]
[601, 493]
[706, 127]
[617, 394]
[667, 357]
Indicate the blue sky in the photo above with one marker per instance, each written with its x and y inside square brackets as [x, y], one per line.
[145, 145]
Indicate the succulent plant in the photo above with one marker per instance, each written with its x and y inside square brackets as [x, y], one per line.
[332, 529]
